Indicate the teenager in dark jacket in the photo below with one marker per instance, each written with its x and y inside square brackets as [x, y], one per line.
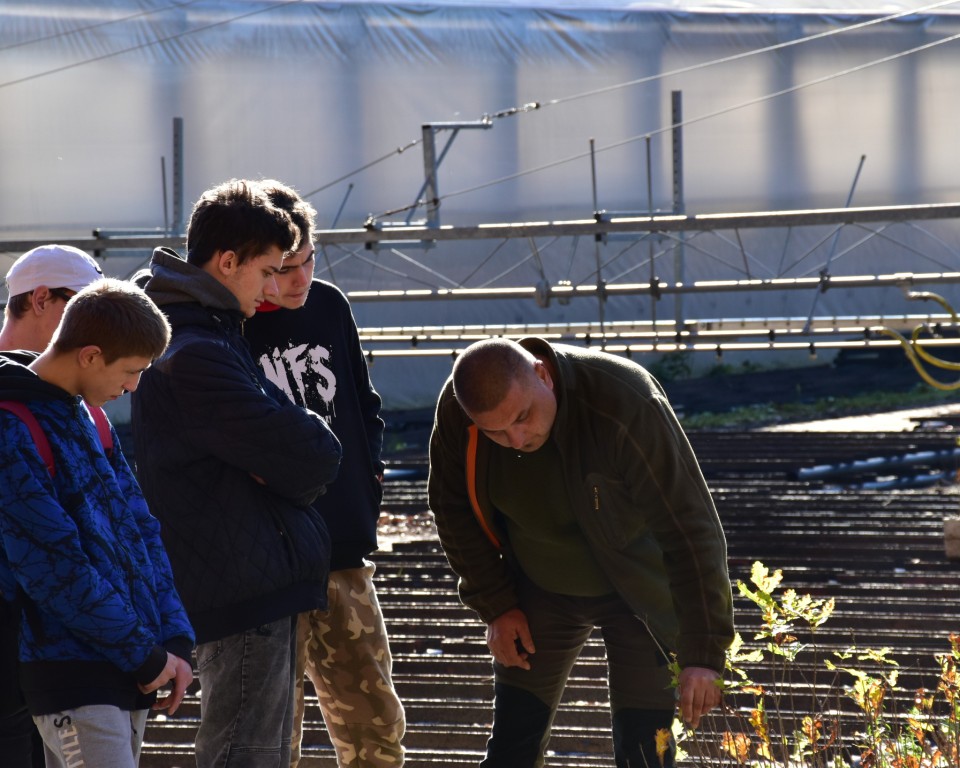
[307, 342]
[102, 625]
[231, 466]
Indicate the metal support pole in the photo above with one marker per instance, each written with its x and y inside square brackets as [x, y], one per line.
[654, 280]
[177, 225]
[593, 174]
[163, 192]
[601, 292]
[430, 193]
[679, 206]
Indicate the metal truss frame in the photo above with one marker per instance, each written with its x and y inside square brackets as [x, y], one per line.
[716, 334]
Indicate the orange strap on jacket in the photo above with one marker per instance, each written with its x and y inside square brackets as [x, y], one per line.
[473, 438]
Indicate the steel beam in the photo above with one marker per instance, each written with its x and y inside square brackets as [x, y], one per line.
[601, 224]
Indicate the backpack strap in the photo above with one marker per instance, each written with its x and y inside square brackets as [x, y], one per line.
[36, 431]
[25, 415]
[102, 423]
[473, 439]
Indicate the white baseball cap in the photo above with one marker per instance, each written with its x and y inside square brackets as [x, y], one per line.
[55, 266]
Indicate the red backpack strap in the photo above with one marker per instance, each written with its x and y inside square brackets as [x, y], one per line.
[103, 427]
[36, 431]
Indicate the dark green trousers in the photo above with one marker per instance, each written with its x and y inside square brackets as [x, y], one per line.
[525, 701]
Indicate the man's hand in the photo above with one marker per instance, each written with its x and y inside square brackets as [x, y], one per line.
[698, 694]
[178, 671]
[509, 640]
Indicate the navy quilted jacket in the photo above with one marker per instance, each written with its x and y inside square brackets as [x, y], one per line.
[83, 557]
[229, 465]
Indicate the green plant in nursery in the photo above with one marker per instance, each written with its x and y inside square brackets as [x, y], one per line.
[769, 727]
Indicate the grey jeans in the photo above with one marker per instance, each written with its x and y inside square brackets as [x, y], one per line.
[96, 735]
[246, 698]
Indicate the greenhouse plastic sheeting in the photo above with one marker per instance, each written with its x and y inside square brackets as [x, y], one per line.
[331, 97]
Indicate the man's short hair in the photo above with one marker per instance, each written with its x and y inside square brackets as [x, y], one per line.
[484, 371]
[18, 305]
[237, 216]
[116, 316]
[303, 214]
[58, 267]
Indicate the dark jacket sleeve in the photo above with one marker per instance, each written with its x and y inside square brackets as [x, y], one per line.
[250, 424]
[486, 581]
[368, 397]
[668, 485]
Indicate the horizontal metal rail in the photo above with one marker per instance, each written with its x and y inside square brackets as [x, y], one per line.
[600, 225]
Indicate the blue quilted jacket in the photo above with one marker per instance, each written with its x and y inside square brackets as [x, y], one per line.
[82, 556]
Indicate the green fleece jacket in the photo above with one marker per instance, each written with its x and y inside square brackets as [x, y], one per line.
[635, 488]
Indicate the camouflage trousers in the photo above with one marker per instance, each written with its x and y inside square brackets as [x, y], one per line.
[346, 654]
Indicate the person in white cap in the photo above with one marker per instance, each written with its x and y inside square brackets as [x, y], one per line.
[39, 284]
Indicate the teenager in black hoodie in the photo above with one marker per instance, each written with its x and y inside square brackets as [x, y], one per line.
[307, 343]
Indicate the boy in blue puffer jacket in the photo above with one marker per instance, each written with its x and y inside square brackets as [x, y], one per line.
[103, 627]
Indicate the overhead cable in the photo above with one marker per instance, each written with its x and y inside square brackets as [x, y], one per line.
[536, 105]
[98, 25]
[706, 116]
[147, 44]
[755, 52]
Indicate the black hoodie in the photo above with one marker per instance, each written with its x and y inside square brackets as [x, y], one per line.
[314, 355]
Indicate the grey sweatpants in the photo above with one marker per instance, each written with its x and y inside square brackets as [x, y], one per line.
[95, 736]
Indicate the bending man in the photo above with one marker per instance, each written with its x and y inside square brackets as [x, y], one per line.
[567, 498]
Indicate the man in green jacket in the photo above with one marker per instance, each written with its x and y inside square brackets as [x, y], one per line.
[567, 497]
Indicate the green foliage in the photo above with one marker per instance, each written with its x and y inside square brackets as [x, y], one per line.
[794, 720]
[673, 366]
[725, 369]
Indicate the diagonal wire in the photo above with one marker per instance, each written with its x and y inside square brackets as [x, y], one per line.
[881, 233]
[653, 78]
[389, 270]
[940, 241]
[398, 151]
[141, 46]
[486, 261]
[425, 268]
[346, 254]
[98, 25]
[811, 250]
[591, 277]
[865, 239]
[755, 52]
[506, 272]
[708, 115]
